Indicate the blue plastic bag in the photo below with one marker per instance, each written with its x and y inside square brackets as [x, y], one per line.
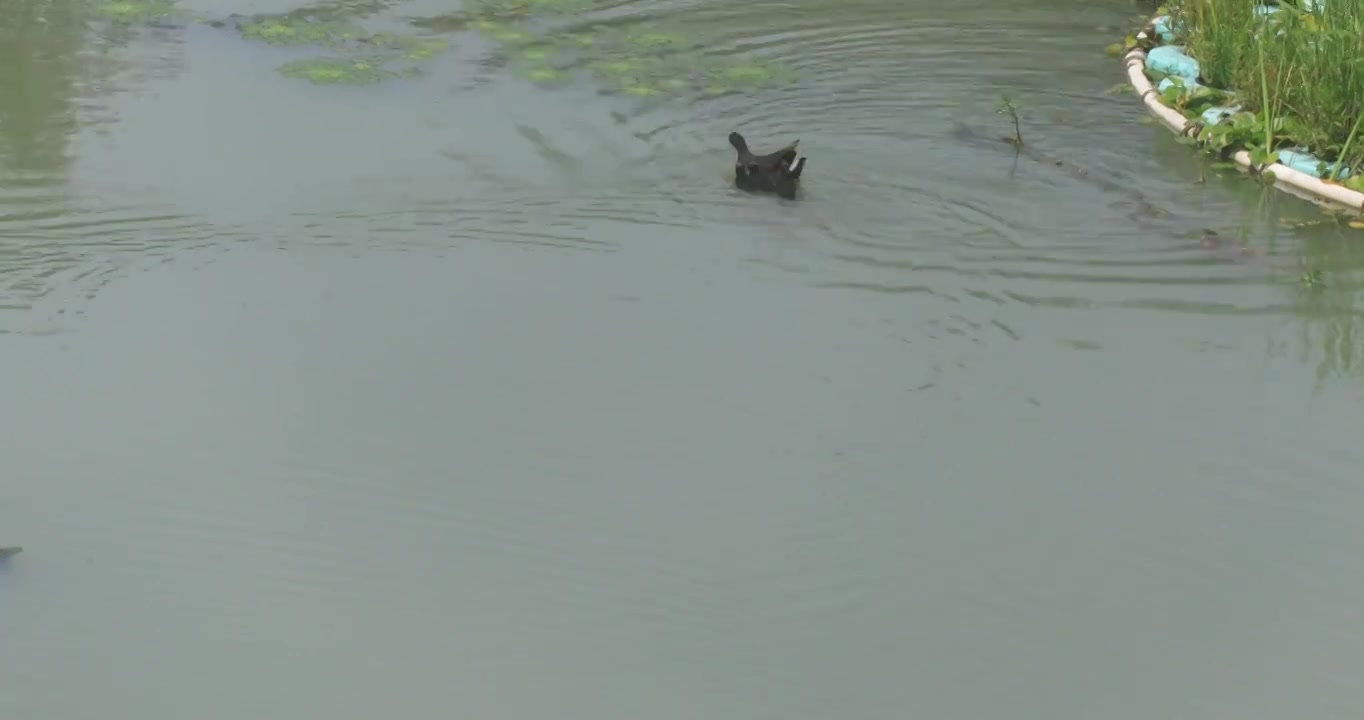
[1171, 60]
[1306, 162]
[1161, 25]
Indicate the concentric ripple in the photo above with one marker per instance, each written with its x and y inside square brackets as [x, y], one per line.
[910, 183]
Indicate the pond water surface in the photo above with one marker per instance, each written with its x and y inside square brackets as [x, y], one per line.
[461, 396]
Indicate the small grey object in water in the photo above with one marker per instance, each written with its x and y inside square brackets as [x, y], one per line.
[5, 552]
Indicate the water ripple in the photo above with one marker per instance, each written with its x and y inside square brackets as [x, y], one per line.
[52, 245]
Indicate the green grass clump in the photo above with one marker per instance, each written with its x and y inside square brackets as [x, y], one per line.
[1297, 74]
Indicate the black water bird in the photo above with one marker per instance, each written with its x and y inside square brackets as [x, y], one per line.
[777, 172]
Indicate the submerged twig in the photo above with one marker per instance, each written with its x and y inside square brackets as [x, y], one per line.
[1006, 105]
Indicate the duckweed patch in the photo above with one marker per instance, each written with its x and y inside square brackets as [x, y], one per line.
[520, 9]
[338, 71]
[384, 57]
[648, 61]
[138, 11]
[633, 59]
[357, 57]
[639, 59]
[747, 74]
[578, 40]
[284, 31]
[646, 40]
[335, 10]
[541, 73]
[409, 47]
[482, 14]
[544, 74]
[651, 42]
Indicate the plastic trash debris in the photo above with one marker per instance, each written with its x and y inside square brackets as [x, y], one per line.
[1188, 85]
[1214, 115]
[1162, 27]
[1171, 60]
[1305, 162]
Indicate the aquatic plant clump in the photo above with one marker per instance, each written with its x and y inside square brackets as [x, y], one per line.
[639, 59]
[283, 31]
[409, 47]
[540, 64]
[359, 57]
[1285, 82]
[641, 62]
[687, 76]
[340, 9]
[338, 71]
[487, 16]
[504, 33]
[138, 11]
[384, 57]
[520, 9]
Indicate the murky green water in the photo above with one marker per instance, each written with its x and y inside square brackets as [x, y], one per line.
[459, 395]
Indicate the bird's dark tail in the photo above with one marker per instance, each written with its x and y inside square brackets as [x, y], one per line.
[737, 141]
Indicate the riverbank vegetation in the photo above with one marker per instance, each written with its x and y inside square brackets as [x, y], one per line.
[1291, 74]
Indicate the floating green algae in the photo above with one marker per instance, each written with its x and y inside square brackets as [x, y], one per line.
[505, 33]
[631, 75]
[493, 16]
[358, 57]
[579, 40]
[558, 6]
[542, 64]
[747, 74]
[650, 59]
[138, 11]
[625, 67]
[338, 71]
[636, 59]
[409, 47]
[285, 31]
[652, 42]
[648, 40]
[543, 74]
[641, 90]
[499, 11]
[339, 9]
[684, 74]
[517, 9]
[425, 50]
[386, 57]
